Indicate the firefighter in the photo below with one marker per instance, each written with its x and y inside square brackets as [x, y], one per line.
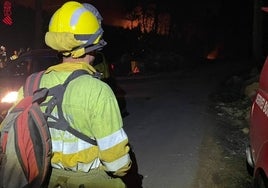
[89, 104]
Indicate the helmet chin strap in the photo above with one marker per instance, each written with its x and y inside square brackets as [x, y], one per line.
[89, 46]
[90, 38]
[98, 46]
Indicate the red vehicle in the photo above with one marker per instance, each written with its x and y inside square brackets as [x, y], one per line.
[257, 151]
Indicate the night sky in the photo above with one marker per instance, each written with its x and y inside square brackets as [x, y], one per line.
[212, 21]
[114, 9]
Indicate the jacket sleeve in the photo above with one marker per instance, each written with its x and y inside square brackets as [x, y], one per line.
[111, 137]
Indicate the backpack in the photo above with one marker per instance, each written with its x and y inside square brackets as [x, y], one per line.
[25, 142]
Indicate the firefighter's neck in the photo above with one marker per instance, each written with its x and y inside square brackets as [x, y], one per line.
[86, 58]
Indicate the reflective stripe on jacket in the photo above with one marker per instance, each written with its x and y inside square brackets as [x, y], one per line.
[90, 107]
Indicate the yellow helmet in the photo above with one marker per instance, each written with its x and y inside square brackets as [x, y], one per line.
[74, 30]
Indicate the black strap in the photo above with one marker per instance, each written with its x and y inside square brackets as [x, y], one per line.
[61, 123]
[56, 93]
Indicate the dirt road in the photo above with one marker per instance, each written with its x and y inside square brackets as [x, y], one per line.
[178, 139]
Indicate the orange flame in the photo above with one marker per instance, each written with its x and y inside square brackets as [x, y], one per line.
[134, 67]
[213, 54]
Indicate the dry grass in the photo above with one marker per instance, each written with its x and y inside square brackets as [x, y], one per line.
[222, 158]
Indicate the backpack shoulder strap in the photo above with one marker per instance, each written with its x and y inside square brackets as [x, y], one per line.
[74, 75]
[60, 122]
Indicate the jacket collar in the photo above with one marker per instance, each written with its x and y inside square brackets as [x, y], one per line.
[70, 67]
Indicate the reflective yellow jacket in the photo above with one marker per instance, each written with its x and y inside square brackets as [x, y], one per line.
[91, 107]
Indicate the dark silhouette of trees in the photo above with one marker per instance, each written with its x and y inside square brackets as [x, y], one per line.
[190, 28]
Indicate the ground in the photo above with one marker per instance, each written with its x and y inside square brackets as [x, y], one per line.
[222, 154]
[222, 158]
